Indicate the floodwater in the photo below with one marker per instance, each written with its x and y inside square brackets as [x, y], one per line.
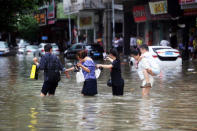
[171, 106]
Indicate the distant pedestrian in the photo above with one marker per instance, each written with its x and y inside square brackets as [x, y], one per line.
[52, 67]
[164, 43]
[88, 68]
[117, 81]
[133, 42]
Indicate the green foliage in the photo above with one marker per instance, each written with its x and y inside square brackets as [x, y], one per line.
[28, 28]
[11, 10]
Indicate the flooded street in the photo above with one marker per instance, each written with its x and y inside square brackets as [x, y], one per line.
[172, 104]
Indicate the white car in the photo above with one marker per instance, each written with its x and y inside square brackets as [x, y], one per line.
[165, 56]
[41, 49]
[55, 49]
[4, 49]
[31, 50]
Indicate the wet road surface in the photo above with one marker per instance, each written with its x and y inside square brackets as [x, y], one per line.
[172, 104]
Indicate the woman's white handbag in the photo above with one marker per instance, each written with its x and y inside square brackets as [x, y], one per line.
[80, 77]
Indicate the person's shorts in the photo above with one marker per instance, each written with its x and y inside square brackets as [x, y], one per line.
[49, 88]
[156, 71]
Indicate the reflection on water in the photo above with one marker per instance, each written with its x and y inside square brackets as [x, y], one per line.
[148, 114]
[172, 104]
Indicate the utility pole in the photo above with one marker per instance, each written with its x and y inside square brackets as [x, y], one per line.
[113, 20]
[107, 25]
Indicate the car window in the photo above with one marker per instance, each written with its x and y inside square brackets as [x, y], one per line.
[155, 49]
[78, 47]
[54, 46]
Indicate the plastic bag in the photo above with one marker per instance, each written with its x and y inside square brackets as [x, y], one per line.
[34, 72]
[80, 77]
[97, 73]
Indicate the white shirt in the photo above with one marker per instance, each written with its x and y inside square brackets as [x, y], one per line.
[142, 65]
[164, 43]
[151, 61]
[133, 41]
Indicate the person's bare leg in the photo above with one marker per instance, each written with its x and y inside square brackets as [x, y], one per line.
[146, 76]
[150, 72]
[42, 94]
[145, 91]
[51, 94]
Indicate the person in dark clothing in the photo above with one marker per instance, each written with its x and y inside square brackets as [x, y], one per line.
[116, 77]
[52, 67]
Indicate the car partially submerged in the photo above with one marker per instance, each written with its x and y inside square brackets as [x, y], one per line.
[166, 55]
[4, 49]
[95, 51]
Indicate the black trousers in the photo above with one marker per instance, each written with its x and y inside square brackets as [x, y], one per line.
[118, 90]
[49, 87]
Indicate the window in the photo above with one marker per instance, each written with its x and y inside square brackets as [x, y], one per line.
[73, 1]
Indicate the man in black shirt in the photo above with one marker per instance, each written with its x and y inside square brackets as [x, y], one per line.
[52, 67]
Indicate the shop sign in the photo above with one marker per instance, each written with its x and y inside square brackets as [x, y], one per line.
[51, 11]
[187, 1]
[189, 6]
[86, 21]
[44, 38]
[40, 17]
[189, 12]
[50, 22]
[139, 14]
[157, 8]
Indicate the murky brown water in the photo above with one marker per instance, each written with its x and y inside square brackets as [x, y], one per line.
[171, 106]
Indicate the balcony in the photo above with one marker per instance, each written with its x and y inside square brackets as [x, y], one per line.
[80, 5]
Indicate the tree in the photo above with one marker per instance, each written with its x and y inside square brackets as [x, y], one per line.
[11, 10]
[28, 28]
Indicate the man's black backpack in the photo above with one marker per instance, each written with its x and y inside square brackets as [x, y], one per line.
[52, 69]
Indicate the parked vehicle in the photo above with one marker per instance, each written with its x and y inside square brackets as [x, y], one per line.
[55, 49]
[94, 51]
[4, 49]
[32, 50]
[165, 56]
[41, 49]
[23, 44]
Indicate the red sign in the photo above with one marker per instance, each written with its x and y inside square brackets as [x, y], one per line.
[139, 14]
[186, 1]
[189, 12]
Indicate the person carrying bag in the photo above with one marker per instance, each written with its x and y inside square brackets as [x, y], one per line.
[116, 81]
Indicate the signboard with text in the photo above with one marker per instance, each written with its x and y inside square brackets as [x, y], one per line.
[157, 8]
[51, 11]
[187, 1]
[40, 16]
[139, 14]
[86, 20]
